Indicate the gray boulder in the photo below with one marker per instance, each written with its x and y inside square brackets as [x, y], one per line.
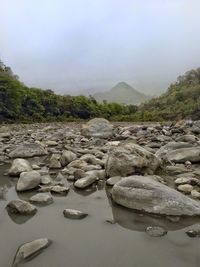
[21, 207]
[98, 127]
[19, 166]
[28, 151]
[29, 250]
[28, 180]
[145, 193]
[130, 158]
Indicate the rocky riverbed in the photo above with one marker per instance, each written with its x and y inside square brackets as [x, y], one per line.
[100, 194]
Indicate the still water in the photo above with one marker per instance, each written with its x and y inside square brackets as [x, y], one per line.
[110, 236]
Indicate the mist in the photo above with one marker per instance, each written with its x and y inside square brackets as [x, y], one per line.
[88, 46]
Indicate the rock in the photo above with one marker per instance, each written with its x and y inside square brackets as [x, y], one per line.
[113, 180]
[98, 128]
[74, 214]
[51, 143]
[19, 166]
[195, 194]
[85, 181]
[186, 188]
[186, 180]
[28, 180]
[67, 157]
[58, 189]
[145, 193]
[54, 162]
[179, 153]
[78, 174]
[29, 250]
[21, 207]
[155, 231]
[193, 233]
[46, 180]
[130, 159]
[28, 151]
[42, 198]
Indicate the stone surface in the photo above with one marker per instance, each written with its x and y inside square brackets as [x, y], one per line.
[42, 198]
[21, 207]
[74, 214]
[28, 151]
[98, 127]
[67, 157]
[29, 250]
[19, 166]
[58, 189]
[28, 180]
[186, 188]
[145, 193]
[54, 162]
[113, 180]
[129, 159]
[85, 181]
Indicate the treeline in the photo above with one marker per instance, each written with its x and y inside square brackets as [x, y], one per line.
[18, 103]
[181, 101]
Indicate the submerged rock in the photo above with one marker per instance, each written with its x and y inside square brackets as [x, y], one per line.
[155, 231]
[145, 193]
[28, 180]
[74, 214]
[29, 250]
[42, 198]
[98, 127]
[129, 159]
[19, 166]
[21, 207]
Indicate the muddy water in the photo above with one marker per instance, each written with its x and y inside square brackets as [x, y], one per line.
[94, 242]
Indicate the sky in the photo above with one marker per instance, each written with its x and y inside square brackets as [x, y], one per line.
[90, 45]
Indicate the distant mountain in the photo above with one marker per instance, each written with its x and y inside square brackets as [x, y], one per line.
[122, 93]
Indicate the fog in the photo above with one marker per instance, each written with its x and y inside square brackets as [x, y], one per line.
[74, 46]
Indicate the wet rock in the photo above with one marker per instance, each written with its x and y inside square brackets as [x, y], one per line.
[46, 180]
[21, 207]
[195, 194]
[98, 127]
[113, 180]
[19, 166]
[41, 198]
[186, 180]
[85, 181]
[58, 189]
[130, 159]
[193, 233]
[74, 214]
[54, 162]
[67, 157]
[28, 180]
[28, 151]
[29, 250]
[145, 193]
[185, 188]
[155, 231]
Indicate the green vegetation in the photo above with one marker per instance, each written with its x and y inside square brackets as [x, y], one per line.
[181, 101]
[18, 103]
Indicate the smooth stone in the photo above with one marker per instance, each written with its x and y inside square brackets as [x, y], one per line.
[186, 180]
[42, 198]
[19, 166]
[29, 250]
[195, 194]
[74, 214]
[155, 231]
[46, 180]
[28, 151]
[193, 233]
[98, 128]
[21, 207]
[67, 157]
[146, 194]
[54, 162]
[186, 188]
[58, 189]
[113, 180]
[28, 180]
[85, 182]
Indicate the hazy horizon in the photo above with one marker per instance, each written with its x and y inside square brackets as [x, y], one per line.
[71, 46]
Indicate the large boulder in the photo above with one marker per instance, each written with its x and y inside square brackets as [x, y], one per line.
[179, 152]
[28, 180]
[98, 127]
[145, 193]
[28, 151]
[128, 159]
[19, 166]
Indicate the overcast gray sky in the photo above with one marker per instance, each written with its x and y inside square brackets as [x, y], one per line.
[68, 45]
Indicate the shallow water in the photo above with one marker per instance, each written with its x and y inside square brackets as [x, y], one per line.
[93, 242]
